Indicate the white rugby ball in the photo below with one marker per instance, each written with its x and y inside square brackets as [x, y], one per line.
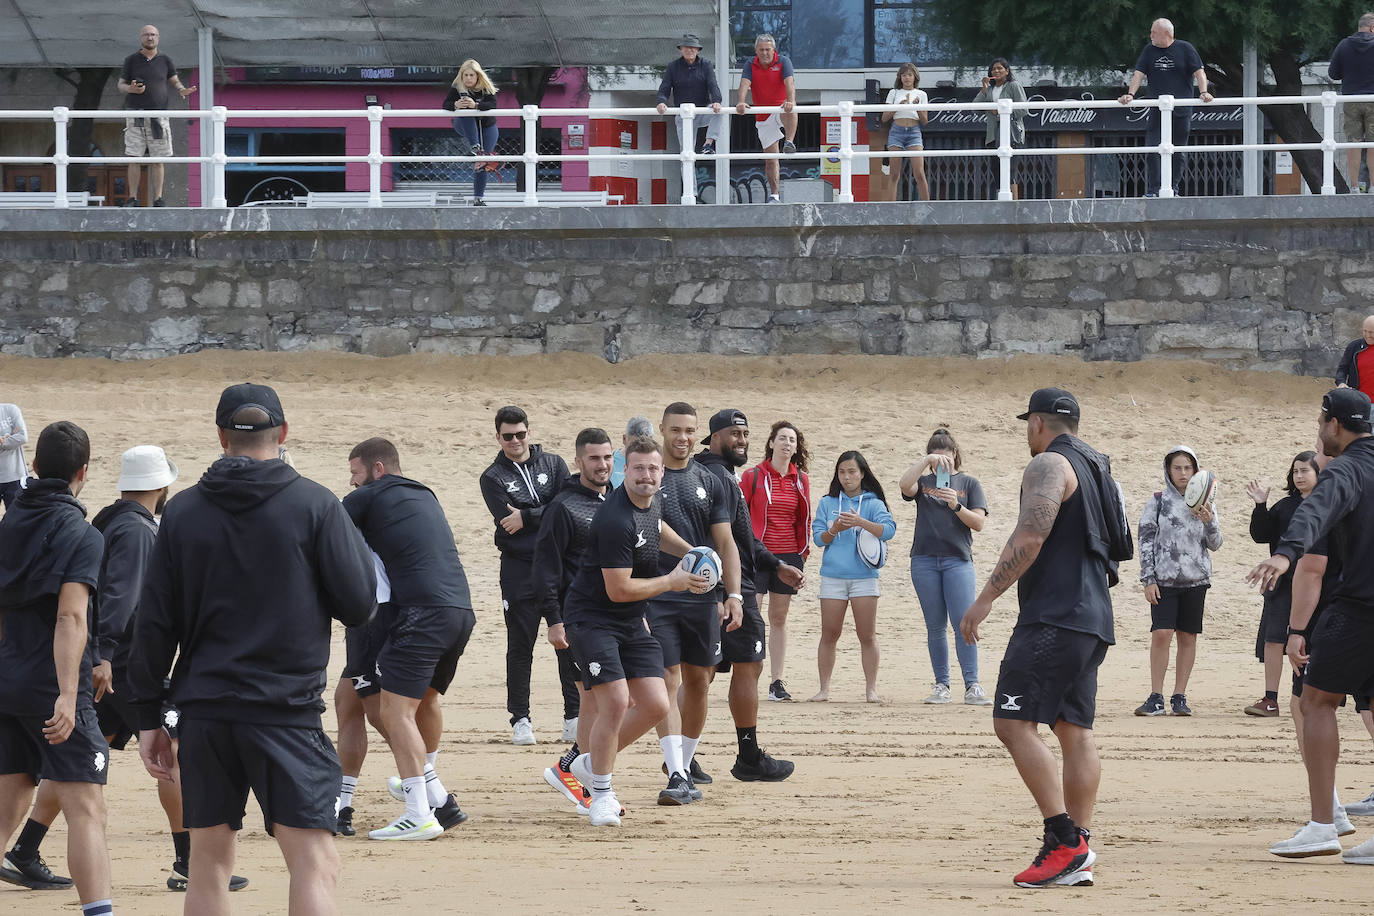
[1202, 487]
[872, 549]
[703, 561]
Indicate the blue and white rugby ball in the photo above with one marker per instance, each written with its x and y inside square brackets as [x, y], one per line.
[703, 561]
[872, 549]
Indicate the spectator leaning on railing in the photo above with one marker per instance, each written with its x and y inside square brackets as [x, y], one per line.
[1171, 66]
[769, 76]
[1353, 64]
[691, 78]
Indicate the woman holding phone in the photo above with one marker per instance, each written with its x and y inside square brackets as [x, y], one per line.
[999, 83]
[854, 504]
[906, 128]
[950, 507]
[472, 89]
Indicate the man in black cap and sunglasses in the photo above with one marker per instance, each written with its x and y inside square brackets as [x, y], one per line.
[517, 487]
[248, 569]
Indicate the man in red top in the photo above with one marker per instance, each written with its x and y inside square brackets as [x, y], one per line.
[1356, 369]
[770, 76]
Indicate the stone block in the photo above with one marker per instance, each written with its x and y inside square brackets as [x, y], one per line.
[248, 295]
[173, 334]
[975, 336]
[380, 341]
[745, 318]
[540, 278]
[1045, 268]
[449, 346]
[952, 291]
[171, 297]
[1036, 330]
[880, 287]
[511, 346]
[821, 337]
[283, 293]
[933, 338]
[1359, 286]
[1200, 285]
[1142, 311]
[795, 295]
[639, 339]
[580, 338]
[684, 293]
[55, 281]
[1256, 282]
[712, 293]
[1084, 293]
[546, 300]
[741, 341]
[748, 292]
[1200, 341]
[840, 292]
[975, 268]
[214, 295]
[138, 295]
[1287, 332]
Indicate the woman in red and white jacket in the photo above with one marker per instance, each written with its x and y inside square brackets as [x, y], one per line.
[779, 494]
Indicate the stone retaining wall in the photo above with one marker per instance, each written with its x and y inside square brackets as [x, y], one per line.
[1278, 283]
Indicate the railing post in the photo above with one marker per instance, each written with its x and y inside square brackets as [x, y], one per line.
[374, 155]
[60, 159]
[218, 116]
[1166, 146]
[689, 154]
[1329, 144]
[846, 153]
[1004, 149]
[530, 113]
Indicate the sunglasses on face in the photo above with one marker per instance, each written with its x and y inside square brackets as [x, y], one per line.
[509, 437]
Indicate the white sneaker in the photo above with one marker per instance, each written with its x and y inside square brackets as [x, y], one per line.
[1364, 808]
[581, 767]
[604, 811]
[406, 827]
[522, 733]
[974, 696]
[396, 788]
[1343, 825]
[1362, 854]
[1310, 840]
[939, 695]
[570, 729]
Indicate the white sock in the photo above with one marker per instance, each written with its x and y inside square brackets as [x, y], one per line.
[347, 786]
[1318, 824]
[672, 753]
[689, 750]
[601, 785]
[1336, 799]
[417, 801]
[434, 789]
[430, 757]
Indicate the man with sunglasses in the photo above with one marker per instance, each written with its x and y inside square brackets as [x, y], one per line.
[517, 487]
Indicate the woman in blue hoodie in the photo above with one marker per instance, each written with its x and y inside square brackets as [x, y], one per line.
[855, 502]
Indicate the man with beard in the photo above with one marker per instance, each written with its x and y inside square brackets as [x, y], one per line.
[744, 649]
[427, 624]
[558, 553]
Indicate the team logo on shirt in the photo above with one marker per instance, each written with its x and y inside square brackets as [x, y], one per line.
[99, 761]
[701, 493]
[542, 478]
[639, 539]
[171, 716]
[594, 668]
[512, 486]
[360, 681]
[1011, 701]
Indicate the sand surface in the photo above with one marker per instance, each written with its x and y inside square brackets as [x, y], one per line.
[899, 805]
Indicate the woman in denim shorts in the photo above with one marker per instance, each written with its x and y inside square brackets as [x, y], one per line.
[906, 128]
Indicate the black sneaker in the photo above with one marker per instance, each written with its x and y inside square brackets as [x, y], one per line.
[181, 870]
[778, 693]
[708, 148]
[1179, 704]
[695, 771]
[449, 814]
[33, 874]
[789, 147]
[131, 202]
[159, 202]
[345, 825]
[478, 202]
[765, 769]
[1153, 706]
[679, 792]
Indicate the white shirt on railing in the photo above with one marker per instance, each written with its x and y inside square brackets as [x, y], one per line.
[907, 97]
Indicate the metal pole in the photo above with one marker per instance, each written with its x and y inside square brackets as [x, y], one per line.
[531, 115]
[205, 100]
[374, 155]
[60, 159]
[846, 152]
[724, 57]
[1004, 149]
[689, 154]
[1250, 131]
[1329, 143]
[1166, 146]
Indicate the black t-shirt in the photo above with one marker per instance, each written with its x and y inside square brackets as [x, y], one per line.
[623, 536]
[693, 500]
[1066, 586]
[155, 74]
[403, 522]
[1170, 70]
[28, 674]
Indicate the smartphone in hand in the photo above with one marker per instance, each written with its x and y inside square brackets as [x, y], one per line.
[942, 477]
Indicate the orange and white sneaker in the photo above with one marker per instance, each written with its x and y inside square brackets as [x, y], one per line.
[566, 783]
[1056, 861]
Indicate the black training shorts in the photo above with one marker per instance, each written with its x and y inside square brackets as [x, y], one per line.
[613, 649]
[1179, 609]
[83, 757]
[1342, 651]
[1049, 673]
[361, 645]
[293, 771]
[750, 642]
[768, 581]
[689, 632]
[422, 649]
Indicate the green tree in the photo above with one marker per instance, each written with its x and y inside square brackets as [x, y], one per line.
[1087, 37]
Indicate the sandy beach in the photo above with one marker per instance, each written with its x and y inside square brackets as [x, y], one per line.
[893, 806]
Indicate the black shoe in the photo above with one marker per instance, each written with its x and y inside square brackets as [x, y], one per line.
[159, 202]
[1179, 704]
[708, 148]
[789, 147]
[449, 814]
[777, 692]
[1153, 706]
[679, 792]
[478, 202]
[695, 771]
[765, 769]
[33, 874]
[180, 872]
[345, 825]
[131, 202]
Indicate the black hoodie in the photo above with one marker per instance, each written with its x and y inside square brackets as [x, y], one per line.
[249, 566]
[529, 487]
[1341, 507]
[1353, 64]
[561, 542]
[44, 544]
[753, 556]
[129, 531]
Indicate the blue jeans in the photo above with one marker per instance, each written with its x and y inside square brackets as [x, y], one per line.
[483, 138]
[945, 586]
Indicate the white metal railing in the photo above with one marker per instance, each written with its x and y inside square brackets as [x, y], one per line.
[846, 111]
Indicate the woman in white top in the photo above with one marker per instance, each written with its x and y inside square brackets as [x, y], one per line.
[906, 128]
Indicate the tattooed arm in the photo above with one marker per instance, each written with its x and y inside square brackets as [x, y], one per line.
[1046, 483]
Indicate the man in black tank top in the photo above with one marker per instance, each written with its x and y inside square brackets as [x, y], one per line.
[1049, 671]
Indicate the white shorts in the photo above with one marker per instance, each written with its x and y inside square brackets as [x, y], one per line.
[769, 130]
[844, 589]
[139, 139]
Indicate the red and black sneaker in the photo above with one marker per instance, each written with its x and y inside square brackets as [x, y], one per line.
[1055, 861]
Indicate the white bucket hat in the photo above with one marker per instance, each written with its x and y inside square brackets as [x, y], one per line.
[145, 467]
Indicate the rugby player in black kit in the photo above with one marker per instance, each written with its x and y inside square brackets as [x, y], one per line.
[621, 663]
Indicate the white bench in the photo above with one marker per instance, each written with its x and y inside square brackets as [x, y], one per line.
[459, 194]
[26, 200]
[410, 197]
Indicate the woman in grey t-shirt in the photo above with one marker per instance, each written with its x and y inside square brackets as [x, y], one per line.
[947, 514]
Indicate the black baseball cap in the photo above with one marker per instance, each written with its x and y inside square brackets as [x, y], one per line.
[247, 394]
[1350, 406]
[727, 418]
[1051, 400]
